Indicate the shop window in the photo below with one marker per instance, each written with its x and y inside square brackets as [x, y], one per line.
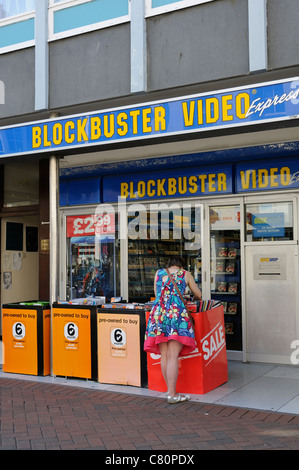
[269, 222]
[93, 256]
[155, 234]
[156, 7]
[21, 184]
[69, 17]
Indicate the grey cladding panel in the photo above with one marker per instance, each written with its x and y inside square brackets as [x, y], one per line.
[198, 44]
[17, 74]
[90, 67]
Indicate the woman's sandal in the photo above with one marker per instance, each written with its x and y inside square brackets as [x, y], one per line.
[178, 398]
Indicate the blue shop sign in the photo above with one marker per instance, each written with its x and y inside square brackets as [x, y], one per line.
[255, 104]
[191, 182]
[261, 176]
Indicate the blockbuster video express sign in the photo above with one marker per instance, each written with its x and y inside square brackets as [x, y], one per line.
[256, 104]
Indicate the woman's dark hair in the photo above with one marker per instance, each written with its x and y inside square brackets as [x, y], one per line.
[175, 261]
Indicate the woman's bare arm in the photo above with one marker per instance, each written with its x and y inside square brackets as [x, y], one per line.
[192, 284]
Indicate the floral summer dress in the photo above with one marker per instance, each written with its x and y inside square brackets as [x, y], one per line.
[168, 318]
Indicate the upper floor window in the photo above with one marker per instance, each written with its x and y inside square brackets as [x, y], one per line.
[17, 24]
[70, 17]
[10, 8]
[156, 7]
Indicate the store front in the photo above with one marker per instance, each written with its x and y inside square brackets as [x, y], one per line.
[231, 213]
[241, 250]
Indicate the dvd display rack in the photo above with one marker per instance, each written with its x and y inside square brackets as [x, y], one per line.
[145, 257]
[226, 282]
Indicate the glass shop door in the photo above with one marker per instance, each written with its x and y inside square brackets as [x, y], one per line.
[225, 268]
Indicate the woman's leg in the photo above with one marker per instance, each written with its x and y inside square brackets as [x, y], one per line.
[173, 352]
[169, 364]
[163, 350]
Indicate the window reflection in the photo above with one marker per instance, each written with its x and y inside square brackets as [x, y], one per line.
[269, 222]
[15, 7]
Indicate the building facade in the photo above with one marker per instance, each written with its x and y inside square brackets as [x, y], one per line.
[135, 130]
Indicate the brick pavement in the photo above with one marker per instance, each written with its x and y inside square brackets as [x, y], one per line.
[39, 416]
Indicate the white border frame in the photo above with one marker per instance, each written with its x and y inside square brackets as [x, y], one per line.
[149, 11]
[53, 7]
[17, 19]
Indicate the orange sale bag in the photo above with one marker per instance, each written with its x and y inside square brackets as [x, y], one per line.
[206, 367]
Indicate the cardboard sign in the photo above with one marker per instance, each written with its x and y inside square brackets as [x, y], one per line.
[119, 358]
[26, 339]
[72, 341]
[206, 367]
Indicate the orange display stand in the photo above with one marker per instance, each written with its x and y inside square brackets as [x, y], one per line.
[74, 340]
[121, 359]
[206, 367]
[26, 338]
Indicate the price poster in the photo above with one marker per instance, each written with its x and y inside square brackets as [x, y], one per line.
[92, 254]
[94, 224]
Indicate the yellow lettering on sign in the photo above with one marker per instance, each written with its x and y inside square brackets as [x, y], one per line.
[69, 138]
[108, 125]
[160, 121]
[202, 179]
[47, 143]
[273, 177]
[146, 119]
[124, 190]
[285, 176]
[221, 182]
[95, 128]
[141, 188]
[122, 123]
[193, 186]
[160, 187]
[134, 114]
[262, 178]
[132, 194]
[81, 132]
[57, 133]
[226, 107]
[199, 113]
[182, 184]
[211, 182]
[36, 137]
[245, 178]
[150, 185]
[253, 175]
[171, 186]
[212, 110]
[242, 105]
[188, 113]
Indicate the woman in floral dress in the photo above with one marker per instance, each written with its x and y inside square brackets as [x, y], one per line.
[169, 331]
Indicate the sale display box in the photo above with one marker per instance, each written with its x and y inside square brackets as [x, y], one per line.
[26, 338]
[74, 340]
[205, 368]
[121, 359]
